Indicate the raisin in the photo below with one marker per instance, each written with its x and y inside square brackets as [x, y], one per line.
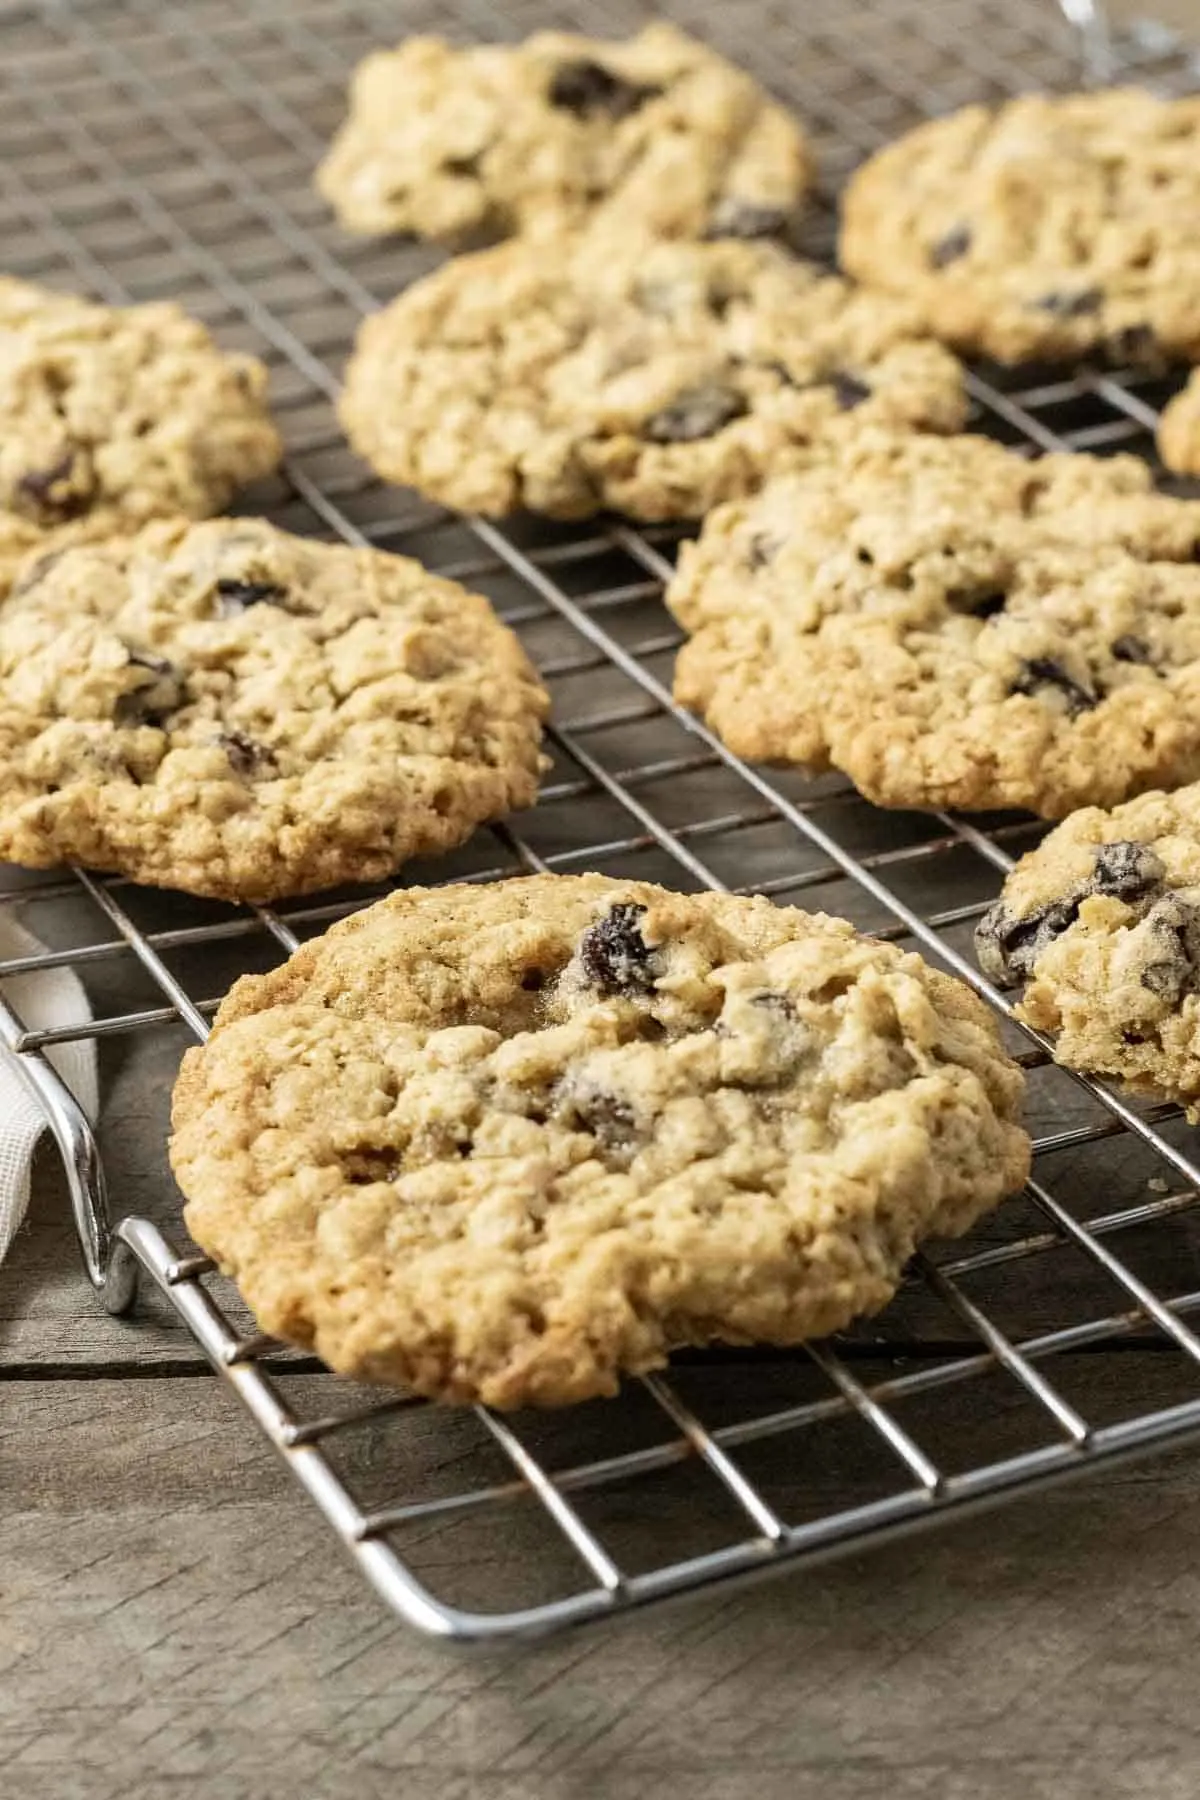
[234, 597]
[949, 248]
[1071, 306]
[613, 954]
[1044, 672]
[365, 1164]
[977, 603]
[533, 980]
[761, 550]
[586, 88]
[698, 412]
[1008, 948]
[1175, 925]
[1133, 344]
[743, 219]
[61, 492]
[135, 709]
[155, 700]
[848, 390]
[246, 755]
[607, 1119]
[770, 1001]
[1132, 650]
[1168, 979]
[1126, 870]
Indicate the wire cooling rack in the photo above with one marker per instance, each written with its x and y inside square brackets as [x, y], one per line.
[160, 149]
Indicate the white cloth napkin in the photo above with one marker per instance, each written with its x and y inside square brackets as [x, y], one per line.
[43, 999]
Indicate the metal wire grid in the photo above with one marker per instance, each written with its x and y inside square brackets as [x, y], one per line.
[151, 149]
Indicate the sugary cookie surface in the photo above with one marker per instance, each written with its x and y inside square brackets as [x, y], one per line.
[655, 133]
[1049, 227]
[953, 625]
[509, 1142]
[1102, 922]
[655, 379]
[112, 416]
[231, 710]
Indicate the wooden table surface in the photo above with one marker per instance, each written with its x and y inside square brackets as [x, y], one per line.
[174, 1617]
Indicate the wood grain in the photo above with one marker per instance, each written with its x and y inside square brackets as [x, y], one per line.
[155, 1632]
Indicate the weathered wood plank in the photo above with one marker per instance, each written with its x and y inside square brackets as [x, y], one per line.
[171, 1610]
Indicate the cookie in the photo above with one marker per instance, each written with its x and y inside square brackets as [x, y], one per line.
[655, 379]
[952, 625]
[509, 1142]
[1179, 430]
[243, 714]
[1048, 227]
[1102, 924]
[655, 132]
[112, 416]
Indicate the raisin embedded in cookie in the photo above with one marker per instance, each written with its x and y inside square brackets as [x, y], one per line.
[114, 415]
[952, 625]
[511, 1142]
[244, 714]
[1048, 227]
[655, 379]
[656, 132]
[1102, 924]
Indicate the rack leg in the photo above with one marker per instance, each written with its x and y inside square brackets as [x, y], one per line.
[110, 1267]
